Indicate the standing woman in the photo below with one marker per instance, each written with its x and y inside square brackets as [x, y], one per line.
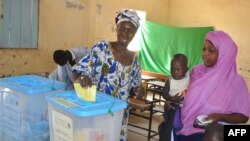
[111, 66]
[216, 90]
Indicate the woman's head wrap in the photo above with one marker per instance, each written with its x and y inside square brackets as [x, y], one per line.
[128, 15]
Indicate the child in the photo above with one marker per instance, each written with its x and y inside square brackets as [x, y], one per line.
[173, 93]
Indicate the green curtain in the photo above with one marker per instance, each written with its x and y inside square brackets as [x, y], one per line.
[158, 44]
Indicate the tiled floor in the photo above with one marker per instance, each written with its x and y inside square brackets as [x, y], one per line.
[136, 134]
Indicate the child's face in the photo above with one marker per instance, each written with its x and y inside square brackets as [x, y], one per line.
[178, 69]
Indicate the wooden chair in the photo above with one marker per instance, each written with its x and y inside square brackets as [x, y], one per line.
[143, 105]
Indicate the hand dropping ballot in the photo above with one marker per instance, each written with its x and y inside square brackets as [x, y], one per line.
[87, 94]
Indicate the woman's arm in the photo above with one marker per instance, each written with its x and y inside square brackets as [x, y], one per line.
[137, 92]
[233, 118]
[84, 80]
[82, 71]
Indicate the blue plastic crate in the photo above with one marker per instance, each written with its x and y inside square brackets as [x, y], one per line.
[24, 108]
[85, 120]
[1, 121]
[31, 84]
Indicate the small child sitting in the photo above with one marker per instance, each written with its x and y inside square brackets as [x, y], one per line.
[173, 93]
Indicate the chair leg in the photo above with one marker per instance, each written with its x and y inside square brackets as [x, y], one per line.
[150, 107]
[146, 93]
[150, 122]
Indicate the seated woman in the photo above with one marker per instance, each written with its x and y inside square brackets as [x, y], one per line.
[215, 90]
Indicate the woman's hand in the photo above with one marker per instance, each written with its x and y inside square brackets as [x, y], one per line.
[233, 118]
[140, 92]
[85, 81]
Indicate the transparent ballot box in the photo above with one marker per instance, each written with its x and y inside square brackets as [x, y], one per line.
[24, 109]
[74, 119]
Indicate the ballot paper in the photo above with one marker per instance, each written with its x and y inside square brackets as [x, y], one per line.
[87, 93]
